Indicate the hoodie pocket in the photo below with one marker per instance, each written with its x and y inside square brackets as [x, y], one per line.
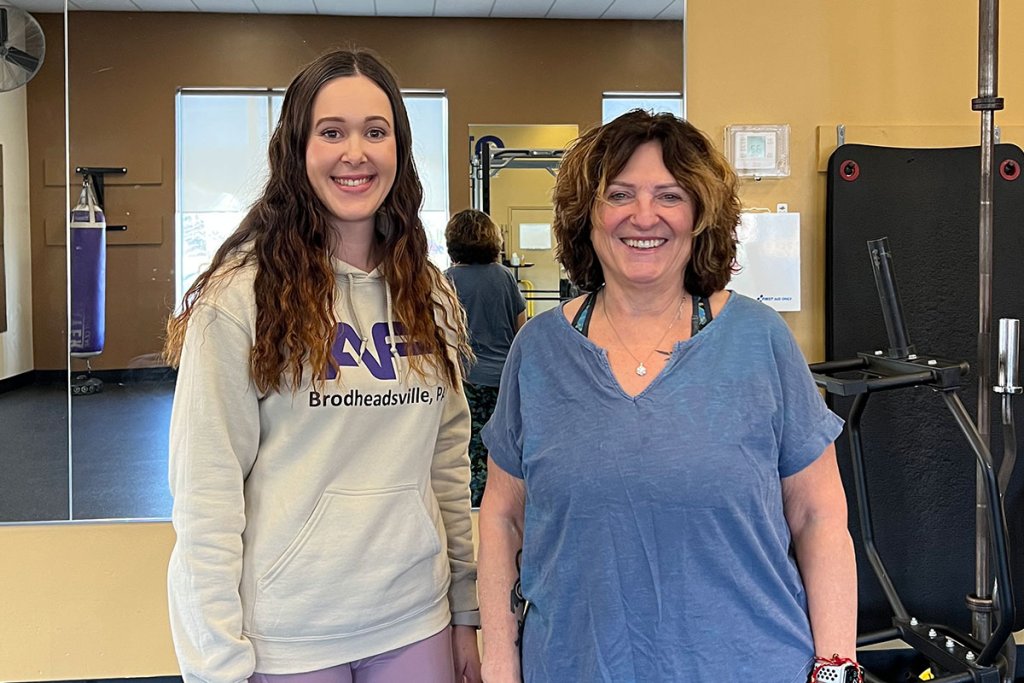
[364, 559]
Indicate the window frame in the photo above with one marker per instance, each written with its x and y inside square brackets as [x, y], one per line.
[270, 94]
[673, 96]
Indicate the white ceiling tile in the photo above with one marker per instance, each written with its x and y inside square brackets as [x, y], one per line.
[285, 6]
[106, 6]
[463, 8]
[347, 8]
[521, 8]
[165, 5]
[229, 6]
[578, 9]
[405, 8]
[674, 12]
[636, 9]
[41, 5]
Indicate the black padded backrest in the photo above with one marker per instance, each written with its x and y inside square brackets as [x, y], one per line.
[920, 470]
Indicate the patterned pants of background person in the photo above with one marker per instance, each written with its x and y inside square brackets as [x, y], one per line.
[481, 404]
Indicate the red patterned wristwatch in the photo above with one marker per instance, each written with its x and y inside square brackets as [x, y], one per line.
[836, 670]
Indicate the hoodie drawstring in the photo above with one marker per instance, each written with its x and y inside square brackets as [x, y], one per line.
[360, 330]
[391, 321]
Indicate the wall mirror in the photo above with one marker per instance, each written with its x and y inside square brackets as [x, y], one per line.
[34, 453]
[3, 277]
[139, 85]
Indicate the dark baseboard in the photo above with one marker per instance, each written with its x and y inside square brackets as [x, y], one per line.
[60, 377]
[132, 375]
[17, 381]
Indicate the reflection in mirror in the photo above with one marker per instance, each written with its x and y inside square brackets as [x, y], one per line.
[3, 277]
[128, 73]
[513, 181]
[34, 450]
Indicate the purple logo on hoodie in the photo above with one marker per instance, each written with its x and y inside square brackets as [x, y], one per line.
[348, 350]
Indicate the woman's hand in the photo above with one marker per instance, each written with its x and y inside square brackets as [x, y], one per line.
[501, 537]
[466, 655]
[815, 508]
[498, 672]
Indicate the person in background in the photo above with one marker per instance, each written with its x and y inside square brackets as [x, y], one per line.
[318, 447]
[495, 310]
[659, 452]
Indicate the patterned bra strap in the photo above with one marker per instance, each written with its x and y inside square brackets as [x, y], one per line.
[701, 314]
[581, 321]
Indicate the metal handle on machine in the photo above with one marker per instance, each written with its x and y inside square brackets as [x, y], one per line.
[1009, 352]
[888, 296]
[1009, 335]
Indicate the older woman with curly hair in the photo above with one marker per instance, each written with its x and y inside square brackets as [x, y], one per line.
[659, 447]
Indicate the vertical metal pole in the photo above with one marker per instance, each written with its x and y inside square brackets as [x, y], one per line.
[474, 182]
[485, 178]
[987, 103]
[889, 298]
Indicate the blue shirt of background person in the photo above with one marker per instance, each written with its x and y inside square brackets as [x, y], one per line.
[495, 310]
[675, 494]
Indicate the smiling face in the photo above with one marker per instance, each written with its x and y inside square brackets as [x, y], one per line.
[351, 155]
[643, 228]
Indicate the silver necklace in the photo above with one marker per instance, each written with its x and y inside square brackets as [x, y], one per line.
[641, 369]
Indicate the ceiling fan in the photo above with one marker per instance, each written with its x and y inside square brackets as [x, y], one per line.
[22, 47]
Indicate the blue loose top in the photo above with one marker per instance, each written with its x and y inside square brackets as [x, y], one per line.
[493, 302]
[655, 546]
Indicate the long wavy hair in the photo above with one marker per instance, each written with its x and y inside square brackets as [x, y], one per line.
[599, 156]
[288, 234]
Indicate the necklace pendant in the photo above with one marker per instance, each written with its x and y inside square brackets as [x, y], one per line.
[641, 370]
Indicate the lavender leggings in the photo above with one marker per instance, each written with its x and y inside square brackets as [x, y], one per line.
[425, 661]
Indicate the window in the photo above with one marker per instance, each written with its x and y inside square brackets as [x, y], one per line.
[614, 104]
[428, 116]
[221, 168]
[222, 138]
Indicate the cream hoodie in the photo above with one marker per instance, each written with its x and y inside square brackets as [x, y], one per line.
[316, 527]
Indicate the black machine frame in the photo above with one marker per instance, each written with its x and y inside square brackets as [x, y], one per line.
[959, 657]
[488, 161]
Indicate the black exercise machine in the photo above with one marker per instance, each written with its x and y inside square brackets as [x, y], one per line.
[954, 657]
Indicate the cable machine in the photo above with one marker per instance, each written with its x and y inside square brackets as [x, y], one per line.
[981, 657]
[988, 653]
[487, 162]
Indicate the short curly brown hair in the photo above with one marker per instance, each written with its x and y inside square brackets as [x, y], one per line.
[472, 237]
[599, 156]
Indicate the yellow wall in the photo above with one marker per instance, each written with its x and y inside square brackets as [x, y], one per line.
[810, 63]
[82, 601]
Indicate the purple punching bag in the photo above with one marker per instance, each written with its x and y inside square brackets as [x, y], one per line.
[88, 275]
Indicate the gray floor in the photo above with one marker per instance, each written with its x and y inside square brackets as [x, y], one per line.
[119, 446]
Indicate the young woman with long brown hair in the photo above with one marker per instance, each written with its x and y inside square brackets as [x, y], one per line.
[319, 436]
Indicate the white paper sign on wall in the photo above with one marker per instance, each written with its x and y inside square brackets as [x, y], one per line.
[769, 259]
[534, 235]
